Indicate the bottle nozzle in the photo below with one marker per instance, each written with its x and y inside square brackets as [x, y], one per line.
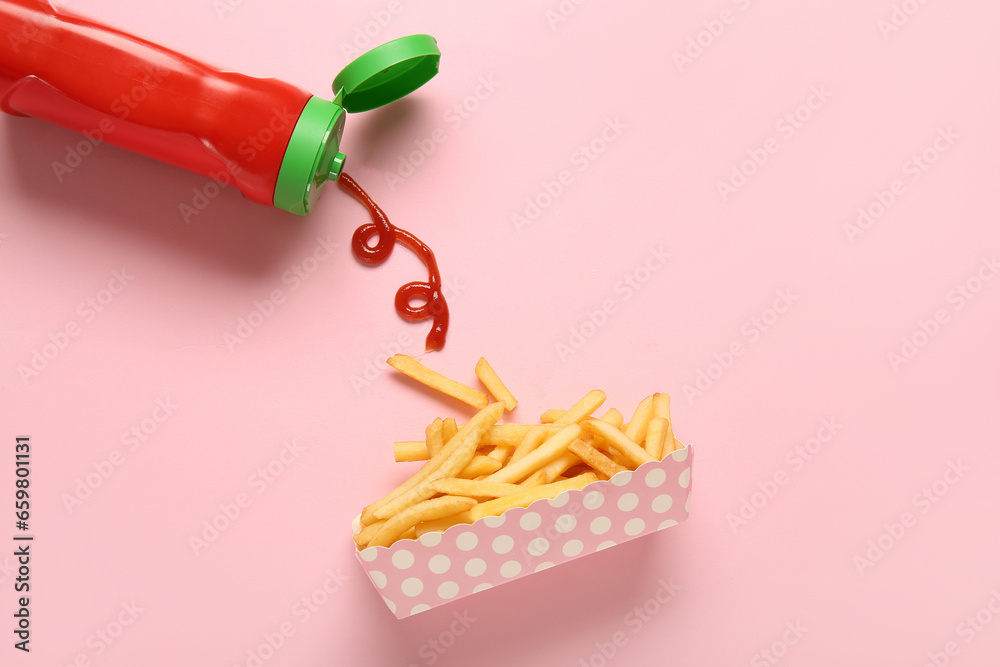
[336, 166]
[380, 76]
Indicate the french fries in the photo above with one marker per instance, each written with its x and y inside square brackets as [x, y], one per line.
[434, 437]
[636, 430]
[487, 415]
[456, 486]
[411, 367]
[548, 452]
[612, 416]
[595, 459]
[550, 416]
[427, 510]
[625, 445]
[479, 466]
[656, 437]
[448, 430]
[483, 468]
[451, 460]
[536, 478]
[583, 408]
[498, 435]
[494, 384]
[529, 495]
[560, 465]
[405, 451]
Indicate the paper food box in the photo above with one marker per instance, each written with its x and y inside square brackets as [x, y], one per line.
[440, 567]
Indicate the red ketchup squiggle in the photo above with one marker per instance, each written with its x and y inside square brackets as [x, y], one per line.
[434, 305]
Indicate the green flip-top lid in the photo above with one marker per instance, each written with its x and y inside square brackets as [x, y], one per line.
[387, 73]
[375, 78]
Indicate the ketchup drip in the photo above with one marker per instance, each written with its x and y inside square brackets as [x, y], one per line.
[434, 305]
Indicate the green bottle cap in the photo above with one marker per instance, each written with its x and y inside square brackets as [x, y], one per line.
[387, 73]
[376, 78]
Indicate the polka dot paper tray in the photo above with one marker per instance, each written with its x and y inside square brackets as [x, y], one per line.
[416, 575]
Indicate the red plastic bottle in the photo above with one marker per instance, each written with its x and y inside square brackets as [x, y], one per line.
[276, 143]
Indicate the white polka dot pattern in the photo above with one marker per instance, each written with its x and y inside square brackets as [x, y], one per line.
[413, 576]
[439, 564]
[503, 544]
[402, 559]
[600, 525]
[510, 569]
[475, 567]
[431, 539]
[530, 521]
[628, 502]
[447, 590]
[412, 586]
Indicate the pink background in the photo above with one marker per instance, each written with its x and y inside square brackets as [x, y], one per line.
[545, 89]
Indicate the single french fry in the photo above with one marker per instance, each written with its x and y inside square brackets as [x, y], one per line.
[671, 439]
[409, 366]
[656, 436]
[678, 445]
[409, 450]
[494, 384]
[527, 496]
[628, 447]
[549, 416]
[595, 459]
[454, 486]
[661, 408]
[455, 456]
[504, 438]
[507, 434]
[441, 525]
[577, 470]
[426, 510]
[614, 418]
[421, 450]
[636, 430]
[368, 513]
[618, 457]
[480, 465]
[582, 409]
[532, 439]
[550, 450]
[661, 405]
[501, 453]
[434, 437]
[536, 478]
[481, 420]
[367, 533]
[560, 465]
[498, 434]
[448, 429]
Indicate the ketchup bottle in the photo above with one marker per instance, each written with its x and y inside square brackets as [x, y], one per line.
[276, 143]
